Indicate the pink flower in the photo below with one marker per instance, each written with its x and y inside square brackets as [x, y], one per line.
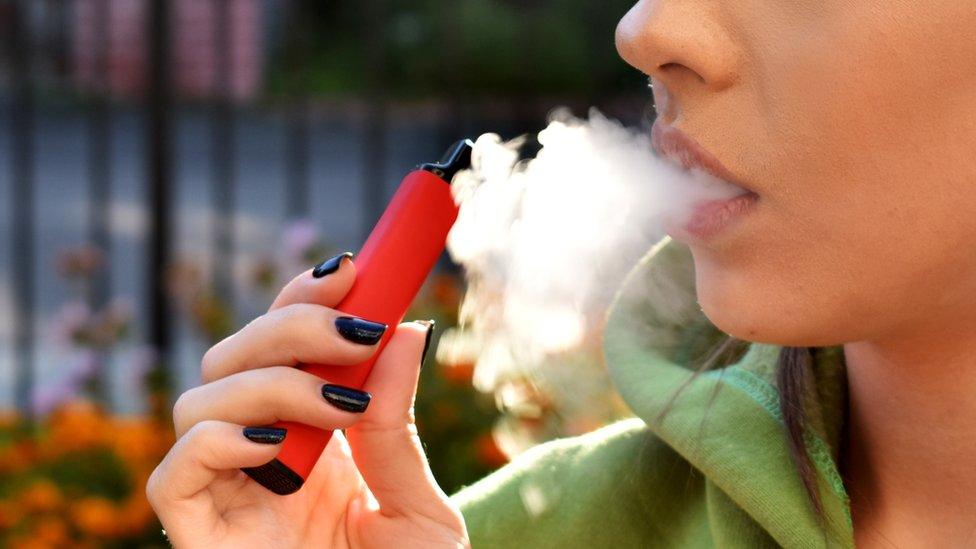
[298, 238]
[70, 322]
[47, 398]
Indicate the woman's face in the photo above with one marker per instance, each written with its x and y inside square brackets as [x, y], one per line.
[855, 122]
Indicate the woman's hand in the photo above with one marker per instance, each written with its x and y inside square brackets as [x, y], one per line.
[371, 488]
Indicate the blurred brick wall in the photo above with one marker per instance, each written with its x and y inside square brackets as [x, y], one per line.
[192, 44]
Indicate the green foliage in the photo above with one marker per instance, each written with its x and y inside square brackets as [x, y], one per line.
[424, 48]
[90, 472]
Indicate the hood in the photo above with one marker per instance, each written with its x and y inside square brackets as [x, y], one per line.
[726, 422]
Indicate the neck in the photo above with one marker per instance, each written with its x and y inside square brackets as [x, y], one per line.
[912, 436]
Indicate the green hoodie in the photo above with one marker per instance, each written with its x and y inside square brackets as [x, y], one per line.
[715, 473]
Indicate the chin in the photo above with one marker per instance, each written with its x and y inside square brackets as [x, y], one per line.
[751, 309]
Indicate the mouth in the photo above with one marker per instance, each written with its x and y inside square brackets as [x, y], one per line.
[707, 218]
[675, 146]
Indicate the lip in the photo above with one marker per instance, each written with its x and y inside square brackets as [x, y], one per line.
[707, 218]
[676, 146]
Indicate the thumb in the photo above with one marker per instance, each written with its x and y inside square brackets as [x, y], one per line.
[385, 444]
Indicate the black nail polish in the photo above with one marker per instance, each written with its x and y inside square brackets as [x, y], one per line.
[330, 265]
[345, 398]
[430, 324]
[265, 435]
[360, 331]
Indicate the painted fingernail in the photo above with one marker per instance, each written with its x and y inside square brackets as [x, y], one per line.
[330, 265]
[265, 435]
[430, 324]
[360, 331]
[346, 398]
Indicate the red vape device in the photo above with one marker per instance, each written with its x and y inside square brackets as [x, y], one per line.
[390, 269]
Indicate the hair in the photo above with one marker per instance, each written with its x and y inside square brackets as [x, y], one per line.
[792, 383]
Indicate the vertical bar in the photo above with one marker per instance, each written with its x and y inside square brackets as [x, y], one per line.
[599, 39]
[222, 220]
[60, 11]
[298, 131]
[160, 176]
[452, 126]
[525, 108]
[297, 193]
[376, 123]
[99, 178]
[22, 172]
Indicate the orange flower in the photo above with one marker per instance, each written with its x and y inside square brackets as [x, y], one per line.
[17, 456]
[488, 452]
[446, 292]
[136, 513]
[10, 515]
[52, 531]
[31, 542]
[77, 425]
[138, 439]
[9, 418]
[460, 373]
[41, 496]
[96, 516]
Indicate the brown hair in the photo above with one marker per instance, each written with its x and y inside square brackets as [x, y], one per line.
[792, 383]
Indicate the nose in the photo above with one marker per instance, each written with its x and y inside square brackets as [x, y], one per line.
[681, 43]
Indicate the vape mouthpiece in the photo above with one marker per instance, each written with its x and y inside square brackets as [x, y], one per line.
[456, 159]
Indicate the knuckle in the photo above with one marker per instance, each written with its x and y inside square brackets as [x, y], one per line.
[292, 329]
[292, 312]
[154, 487]
[181, 408]
[195, 438]
[210, 363]
[267, 380]
[270, 389]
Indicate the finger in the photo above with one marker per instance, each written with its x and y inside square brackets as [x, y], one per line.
[261, 397]
[207, 451]
[385, 444]
[293, 334]
[326, 284]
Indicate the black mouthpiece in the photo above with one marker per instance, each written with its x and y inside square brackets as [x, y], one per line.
[457, 158]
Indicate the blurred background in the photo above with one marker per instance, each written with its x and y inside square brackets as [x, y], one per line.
[166, 166]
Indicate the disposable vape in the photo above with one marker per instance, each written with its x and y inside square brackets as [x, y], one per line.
[400, 252]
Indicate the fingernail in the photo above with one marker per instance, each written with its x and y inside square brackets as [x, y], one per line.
[360, 331]
[330, 265]
[265, 435]
[345, 398]
[430, 324]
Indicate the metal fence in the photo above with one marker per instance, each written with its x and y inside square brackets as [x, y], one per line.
[122, 128]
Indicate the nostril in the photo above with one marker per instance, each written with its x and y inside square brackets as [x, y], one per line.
[673, 68]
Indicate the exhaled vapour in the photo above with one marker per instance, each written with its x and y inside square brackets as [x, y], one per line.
[545, 242]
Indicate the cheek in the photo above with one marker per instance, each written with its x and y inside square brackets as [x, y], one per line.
[865, 162]
[793, 288]
[853, 272]
[758, 298]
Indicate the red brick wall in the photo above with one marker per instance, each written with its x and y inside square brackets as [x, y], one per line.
[192, 45]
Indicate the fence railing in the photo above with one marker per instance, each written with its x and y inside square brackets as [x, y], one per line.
[121, 136]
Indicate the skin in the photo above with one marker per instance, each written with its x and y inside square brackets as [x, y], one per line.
[370, 486]
[855, 122]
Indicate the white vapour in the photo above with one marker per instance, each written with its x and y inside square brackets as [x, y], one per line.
[545, 242]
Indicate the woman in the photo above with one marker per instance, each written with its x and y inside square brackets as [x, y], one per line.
[848, 419]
